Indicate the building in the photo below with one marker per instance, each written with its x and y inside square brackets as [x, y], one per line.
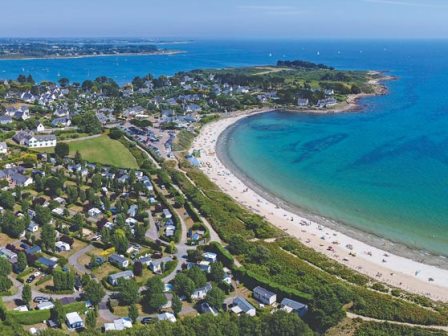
[34, 141]
[210, 257]
[94, 212]
[118, 260]
[47, 262]
[113, 278]
[120, 324]
[45, 305]
[3, 148]
[8, 255]
[61, 246]
[5, 120]
[74, 321]
[33, 227]
[61, 122]
[201, 293]
[40, 127]
[327, 102]
[167, 317]
[240, 305]
[17, 179]
[205, 308]
[204, 266]
[155, 266]
[167, 214]
[303, 102]
[289, 306]
[264, 296]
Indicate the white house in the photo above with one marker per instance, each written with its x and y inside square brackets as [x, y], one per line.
[62, 246]
[45, 305]
[120, 324]
[240, 305]
[94, 212]
[167, 317]
[167, 214]
[201, 293]
[33, 227]
[34, 141]
[264, 296]
[289, 306]
[3, 148]
[113, 278]
[118, 260]
[210, 257]
[155, 266]
[40, 127]
[74, 321]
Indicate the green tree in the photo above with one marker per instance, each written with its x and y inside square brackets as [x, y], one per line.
[22, 262]
[176, 304]
[91, 319]
[128, 291]
[282, 323]
[183, 285]
[26, 294]
[156, 301]
[7, 200]
[57, 312]
[5, 267]
[199, 278]
[78, 157]
[120, 241]
[133, 312]
[5, 283]
[326, 310]
[94, 292]
[48, 237]
[87, 122]
[155, 285]
[43, 215]
[62, 150]
[54, 185]
[215, 297]
[216, 272]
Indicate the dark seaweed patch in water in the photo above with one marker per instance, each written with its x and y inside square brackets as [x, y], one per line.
[420, 147]
[272, 128]
[309, 149]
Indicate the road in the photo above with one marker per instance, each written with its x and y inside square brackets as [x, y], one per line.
[73, 260]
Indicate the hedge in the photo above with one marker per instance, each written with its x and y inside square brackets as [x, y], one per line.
[223, 255]
[37, 316]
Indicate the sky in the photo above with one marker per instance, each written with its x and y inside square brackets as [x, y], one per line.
[227, 19]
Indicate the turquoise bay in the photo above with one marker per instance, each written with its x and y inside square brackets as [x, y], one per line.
[383, 170]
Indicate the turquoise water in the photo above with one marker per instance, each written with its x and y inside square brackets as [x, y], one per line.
[384, 170]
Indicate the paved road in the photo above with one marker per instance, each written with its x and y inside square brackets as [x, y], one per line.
[73, 260]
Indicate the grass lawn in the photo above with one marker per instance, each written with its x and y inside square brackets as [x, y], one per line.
[104, 150]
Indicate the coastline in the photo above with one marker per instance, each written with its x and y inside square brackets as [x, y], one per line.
[394, 264]
[156, 53]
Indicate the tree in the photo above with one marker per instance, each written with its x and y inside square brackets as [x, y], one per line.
[115, 134]
[94, 292]
[11, 225]
[62, 150]
[155, 285]
[183, 285]
[78, 157]
[54, 185]
[91, 319]
[199, 278]
[120, 241]
[5, 267]
[22, 262]
[63, 82]
[63, 280]
[156, 301]
[96, 181]
[326, 309]
[138, 268]
[43, 215]
[282, 323]
[7, 200]
[5, 283]
[128, 291]
[26, 294]
[48, 237]
[216, 272]
[87, 122]
[215, 297]
[133, 313]
[57, 312]
[176, 304]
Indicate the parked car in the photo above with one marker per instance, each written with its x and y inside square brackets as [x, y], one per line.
[40, 299]
[30, 279]
[147, 320]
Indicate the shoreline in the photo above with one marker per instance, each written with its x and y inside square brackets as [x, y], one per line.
[415, 276]
[156, 53]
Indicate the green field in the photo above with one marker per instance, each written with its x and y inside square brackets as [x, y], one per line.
[104, 150]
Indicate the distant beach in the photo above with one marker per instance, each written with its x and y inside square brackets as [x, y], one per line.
[394, 264]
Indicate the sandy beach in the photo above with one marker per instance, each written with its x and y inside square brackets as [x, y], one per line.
[392, 269]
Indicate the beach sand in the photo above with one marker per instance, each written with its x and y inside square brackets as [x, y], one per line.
[405, 273]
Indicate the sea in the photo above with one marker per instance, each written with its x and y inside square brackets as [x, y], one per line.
[382, 170]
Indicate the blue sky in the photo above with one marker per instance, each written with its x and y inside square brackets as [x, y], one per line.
[225, 18]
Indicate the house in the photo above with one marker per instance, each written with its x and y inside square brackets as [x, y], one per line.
[167, 214]
[240, 305]
[40, 127]
[118, 325]
[113, 278]
[210, 257]
[132, 211]
[34, 141]
[74, 321]
[33, 227]
[303, 102]
[145, 260]
[17, 179]
[264, 296]
[118, 260]
[3, 148]
[8, 255]
[62, 246]
[47, 262]
[205, 308]
[61, 122]
[201, 293]
[94, 212]
[327, 102]
[58, 211]
[45, 305]
[33, 250]
[5, 120]
[289, 306]
[155, 266]
[204, 266]
[167, 317]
